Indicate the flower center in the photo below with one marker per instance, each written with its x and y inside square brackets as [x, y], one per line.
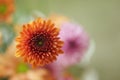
[3, 8]
[40, 43]
[72, 44]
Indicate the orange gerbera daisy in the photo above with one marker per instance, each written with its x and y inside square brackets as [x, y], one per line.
[38, 43]
[6, 8]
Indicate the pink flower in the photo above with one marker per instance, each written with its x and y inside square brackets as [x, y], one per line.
[76, 42]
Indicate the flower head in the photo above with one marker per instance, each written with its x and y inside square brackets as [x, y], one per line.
[6, 8]
[38, 43]
[76, 42]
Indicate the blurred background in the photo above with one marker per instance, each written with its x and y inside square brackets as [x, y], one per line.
[100, 18]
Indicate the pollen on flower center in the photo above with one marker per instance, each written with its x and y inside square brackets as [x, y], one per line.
[40, 43]
[3, 8]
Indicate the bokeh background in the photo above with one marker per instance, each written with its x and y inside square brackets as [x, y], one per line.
[100, 18]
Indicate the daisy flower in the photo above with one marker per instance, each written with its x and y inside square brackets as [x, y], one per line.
[76, 42]
[38, 43]
[6, 8]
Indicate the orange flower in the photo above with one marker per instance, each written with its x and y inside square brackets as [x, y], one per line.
[6, 8]
[38, 43]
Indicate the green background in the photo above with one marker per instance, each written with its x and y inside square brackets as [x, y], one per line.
[100, 18]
